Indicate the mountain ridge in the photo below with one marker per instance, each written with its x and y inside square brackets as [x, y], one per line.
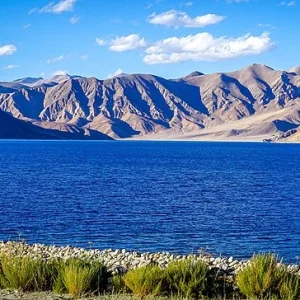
[148, 106]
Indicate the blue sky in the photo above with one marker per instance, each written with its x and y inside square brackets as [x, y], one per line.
[169, 38]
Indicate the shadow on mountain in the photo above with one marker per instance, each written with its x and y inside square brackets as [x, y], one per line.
[122, 129]
[284, 125]
[12, 128]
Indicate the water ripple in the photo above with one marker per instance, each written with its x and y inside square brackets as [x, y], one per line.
[230, 198]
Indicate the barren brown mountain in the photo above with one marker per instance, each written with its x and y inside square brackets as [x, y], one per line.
[254, 103]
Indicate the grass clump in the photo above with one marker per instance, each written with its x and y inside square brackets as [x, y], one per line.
[290, 287]
[187, 279]
[79, 277]
[145, 281]
[24, 273]
[261, 279]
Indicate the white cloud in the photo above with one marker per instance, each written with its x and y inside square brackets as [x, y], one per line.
[84, 57]
[270, 26]
[116, 73]
[74, 19]
[264, 25]
[153, 3]
[60, 7]
[205, 47]
[9, 67]
[287, 3]
[54, 59]
[173, 18]
[26, 26]
[100, 42]
[7, 50]
[125, 43]
[60, 72]
[33, 10]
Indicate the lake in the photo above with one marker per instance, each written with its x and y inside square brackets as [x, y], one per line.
[228, 198]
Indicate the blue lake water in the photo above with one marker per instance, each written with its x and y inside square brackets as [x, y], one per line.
[229, 198]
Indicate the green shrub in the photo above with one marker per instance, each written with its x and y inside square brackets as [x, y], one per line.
[79, 277]
[25, 273]
[187, 279]
[58, 286]
[261, 278]
[145, 281]
[290, 287]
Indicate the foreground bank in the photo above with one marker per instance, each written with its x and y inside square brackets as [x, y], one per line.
[79, 271]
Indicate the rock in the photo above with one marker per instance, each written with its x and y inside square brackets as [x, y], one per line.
[222, 267]
[233, 263]
[217, 260]
[293, 268]
[135, 262]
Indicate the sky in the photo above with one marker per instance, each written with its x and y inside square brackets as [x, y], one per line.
[168, 38]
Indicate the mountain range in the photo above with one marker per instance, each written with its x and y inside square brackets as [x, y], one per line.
[254, 103]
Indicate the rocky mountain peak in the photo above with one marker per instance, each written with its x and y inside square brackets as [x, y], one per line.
[194, 74]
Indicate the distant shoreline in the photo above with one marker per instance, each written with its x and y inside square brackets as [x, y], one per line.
[153, 140]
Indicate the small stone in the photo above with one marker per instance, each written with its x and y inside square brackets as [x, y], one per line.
[218, 260]
[293, 268]
[135, 262]
[233, 263]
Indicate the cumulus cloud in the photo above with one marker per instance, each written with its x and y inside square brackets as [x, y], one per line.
[75, 19]
[116, 73]
[54, 59]
[9, 67]
[173, 18]
[205, 47]
[57, 8]
[126, 43]
[60, 72]
[7, 50]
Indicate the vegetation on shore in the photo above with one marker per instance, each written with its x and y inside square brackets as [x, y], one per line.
[264, 277]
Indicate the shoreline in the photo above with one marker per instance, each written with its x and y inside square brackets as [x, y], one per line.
[119, 261]
[237, 141]
[37, 271]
